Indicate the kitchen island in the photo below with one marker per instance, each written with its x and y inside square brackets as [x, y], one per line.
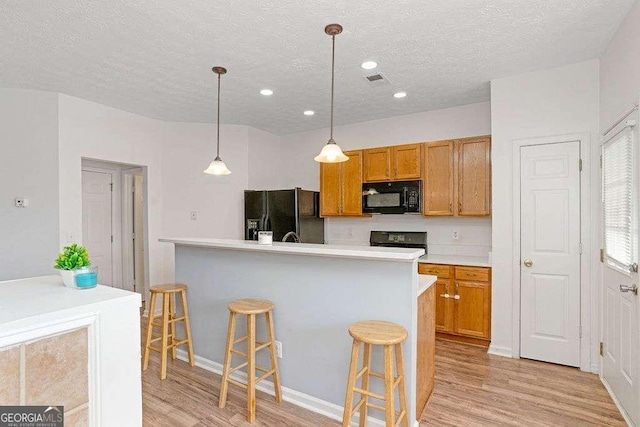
[318, 291]
[79, 349]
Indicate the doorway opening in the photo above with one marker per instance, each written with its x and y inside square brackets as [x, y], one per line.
[114, 222]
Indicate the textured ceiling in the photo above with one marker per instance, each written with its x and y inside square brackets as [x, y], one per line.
[154, 57]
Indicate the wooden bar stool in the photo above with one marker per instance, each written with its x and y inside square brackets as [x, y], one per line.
[250, 307]
[390, 336]
[168, 338]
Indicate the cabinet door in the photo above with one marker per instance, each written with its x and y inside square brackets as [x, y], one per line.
[438, 178]
[376, 164]
[444, 307]
[474, 176]
[426, 352]
[330, 193]
[352, 184]
[473, 309]
[406, 162]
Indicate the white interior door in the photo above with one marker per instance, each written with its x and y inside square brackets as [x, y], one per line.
[550, 253]
[620, 329]
[97, 222]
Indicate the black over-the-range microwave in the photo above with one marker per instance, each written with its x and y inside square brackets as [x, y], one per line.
[394, 197]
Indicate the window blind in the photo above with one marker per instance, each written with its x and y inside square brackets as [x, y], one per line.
[618, 201]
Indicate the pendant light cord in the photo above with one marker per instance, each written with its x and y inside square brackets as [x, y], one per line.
[218, 135]
[333, 62]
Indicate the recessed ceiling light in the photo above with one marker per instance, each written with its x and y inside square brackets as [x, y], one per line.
[400, 94]
[369, 65]
[266, 92]
[309, 113]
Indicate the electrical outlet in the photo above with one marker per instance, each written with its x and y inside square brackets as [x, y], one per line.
[456, 235]
[279, 349]
[194, 215]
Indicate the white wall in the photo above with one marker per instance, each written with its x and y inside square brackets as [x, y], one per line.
[551, 102]
[28, 168]
[264, 160]
[620, 71]
[217, 200]
[94, 131]
[300, 170]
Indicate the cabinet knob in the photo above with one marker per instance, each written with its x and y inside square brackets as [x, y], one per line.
[528, 263]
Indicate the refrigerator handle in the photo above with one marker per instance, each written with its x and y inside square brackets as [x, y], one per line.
[266, 222]
[296, 207]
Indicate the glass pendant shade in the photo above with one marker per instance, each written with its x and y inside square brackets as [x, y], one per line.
[331, 153]
[217, 167]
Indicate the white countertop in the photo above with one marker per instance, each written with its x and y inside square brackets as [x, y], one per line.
[23, 298]
[424, 282]
[362, 252]
[471, 261]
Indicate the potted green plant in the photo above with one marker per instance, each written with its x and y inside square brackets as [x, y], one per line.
[72, 260]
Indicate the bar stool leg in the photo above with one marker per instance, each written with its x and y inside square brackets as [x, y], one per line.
[251, 368]
[401, 385]
[172, 325]
[152, 307]
[389, 401]
[351, 383]
[165, 336]
[231, 336]
[274, 357]
[187, 326]
[366, 363]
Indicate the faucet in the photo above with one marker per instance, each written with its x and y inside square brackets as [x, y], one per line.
[296, 238]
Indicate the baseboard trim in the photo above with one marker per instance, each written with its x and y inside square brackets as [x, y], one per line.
[595, 368]
[322, 407]
[617, 402]
[500, 351]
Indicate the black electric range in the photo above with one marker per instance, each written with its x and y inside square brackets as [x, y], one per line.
[399, 239]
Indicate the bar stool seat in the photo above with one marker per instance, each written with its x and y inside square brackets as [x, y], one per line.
[378, 332]
[251, 308]
[390, 336]
[168, 338]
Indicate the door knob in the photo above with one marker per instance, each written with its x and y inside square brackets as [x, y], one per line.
[633, 288]
[528, 263]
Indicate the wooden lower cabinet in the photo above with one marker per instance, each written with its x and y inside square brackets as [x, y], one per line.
[463, 302]
[426, 352]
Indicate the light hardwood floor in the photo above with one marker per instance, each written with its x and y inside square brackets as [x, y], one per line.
[472, 389]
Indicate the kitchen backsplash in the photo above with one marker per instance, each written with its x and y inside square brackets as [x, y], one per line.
[474, 234]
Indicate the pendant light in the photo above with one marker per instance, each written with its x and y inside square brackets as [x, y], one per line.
[331, 153]
[217, 167]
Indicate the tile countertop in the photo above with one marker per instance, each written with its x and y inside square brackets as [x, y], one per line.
[471, 261]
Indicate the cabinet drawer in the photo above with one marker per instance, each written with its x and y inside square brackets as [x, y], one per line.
[442, 271]
[475, 274]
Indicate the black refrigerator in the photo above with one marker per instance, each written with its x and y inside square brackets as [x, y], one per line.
[282, 211]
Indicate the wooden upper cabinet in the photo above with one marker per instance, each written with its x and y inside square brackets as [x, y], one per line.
[439, 178]
[474, 176]
[377, 162]
[330, 192]
[341, 186]
[405, 162]
[352, 184]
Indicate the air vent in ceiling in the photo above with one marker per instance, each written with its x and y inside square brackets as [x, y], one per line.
[377, 80]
